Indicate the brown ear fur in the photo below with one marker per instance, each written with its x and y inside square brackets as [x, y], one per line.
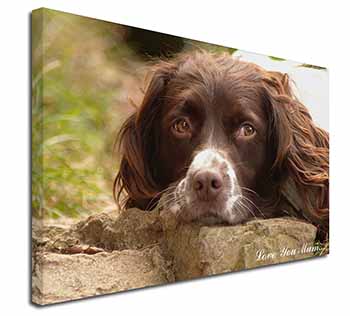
[138, 146]
[301, 149]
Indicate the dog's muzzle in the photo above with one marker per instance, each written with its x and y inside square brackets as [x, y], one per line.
[210, 188]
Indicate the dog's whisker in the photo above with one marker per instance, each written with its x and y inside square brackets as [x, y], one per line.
[168, 200]
[150, 205]
[247, 208]
[237, 208]
[252, 203]
[249, 190]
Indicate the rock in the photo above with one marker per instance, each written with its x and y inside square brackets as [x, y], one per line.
[138, 249]
[133, 229]
[60, 277]
[201, 251]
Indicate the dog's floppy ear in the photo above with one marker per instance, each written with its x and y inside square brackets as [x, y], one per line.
[300, 149]
[138, 145]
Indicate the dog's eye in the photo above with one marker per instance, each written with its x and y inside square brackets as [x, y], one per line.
[246, 130]
[182, 126]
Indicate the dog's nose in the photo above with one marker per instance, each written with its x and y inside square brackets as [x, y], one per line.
[207, 184]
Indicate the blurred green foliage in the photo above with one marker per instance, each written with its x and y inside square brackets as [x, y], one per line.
[276, 58]
[75, 88]
[192, 44]
[312, 67]
[83, 70]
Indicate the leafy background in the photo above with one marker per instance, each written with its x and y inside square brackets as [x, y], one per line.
[78, 71]
[84, 73]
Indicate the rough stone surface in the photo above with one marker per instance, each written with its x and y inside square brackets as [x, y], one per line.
[200, 251]
[133, 229]
[106, 253]
[61, 277]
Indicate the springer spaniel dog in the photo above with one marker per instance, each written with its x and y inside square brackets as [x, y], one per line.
[216, 137]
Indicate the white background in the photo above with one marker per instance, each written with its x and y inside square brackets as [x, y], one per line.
[310, 85]
[312, 32]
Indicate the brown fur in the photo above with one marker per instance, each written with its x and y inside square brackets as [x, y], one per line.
[298, 149]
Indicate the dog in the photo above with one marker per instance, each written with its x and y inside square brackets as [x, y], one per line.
[217, 137]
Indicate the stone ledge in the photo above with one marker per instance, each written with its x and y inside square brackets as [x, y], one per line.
[205, 251]
[138, 249]
[60, 277]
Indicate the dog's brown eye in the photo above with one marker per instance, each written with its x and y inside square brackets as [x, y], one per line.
[182, 126]
[246, 130]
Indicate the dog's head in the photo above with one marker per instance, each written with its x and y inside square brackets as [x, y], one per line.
[219, 137]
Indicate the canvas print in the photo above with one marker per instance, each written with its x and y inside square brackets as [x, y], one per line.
[158, 159]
